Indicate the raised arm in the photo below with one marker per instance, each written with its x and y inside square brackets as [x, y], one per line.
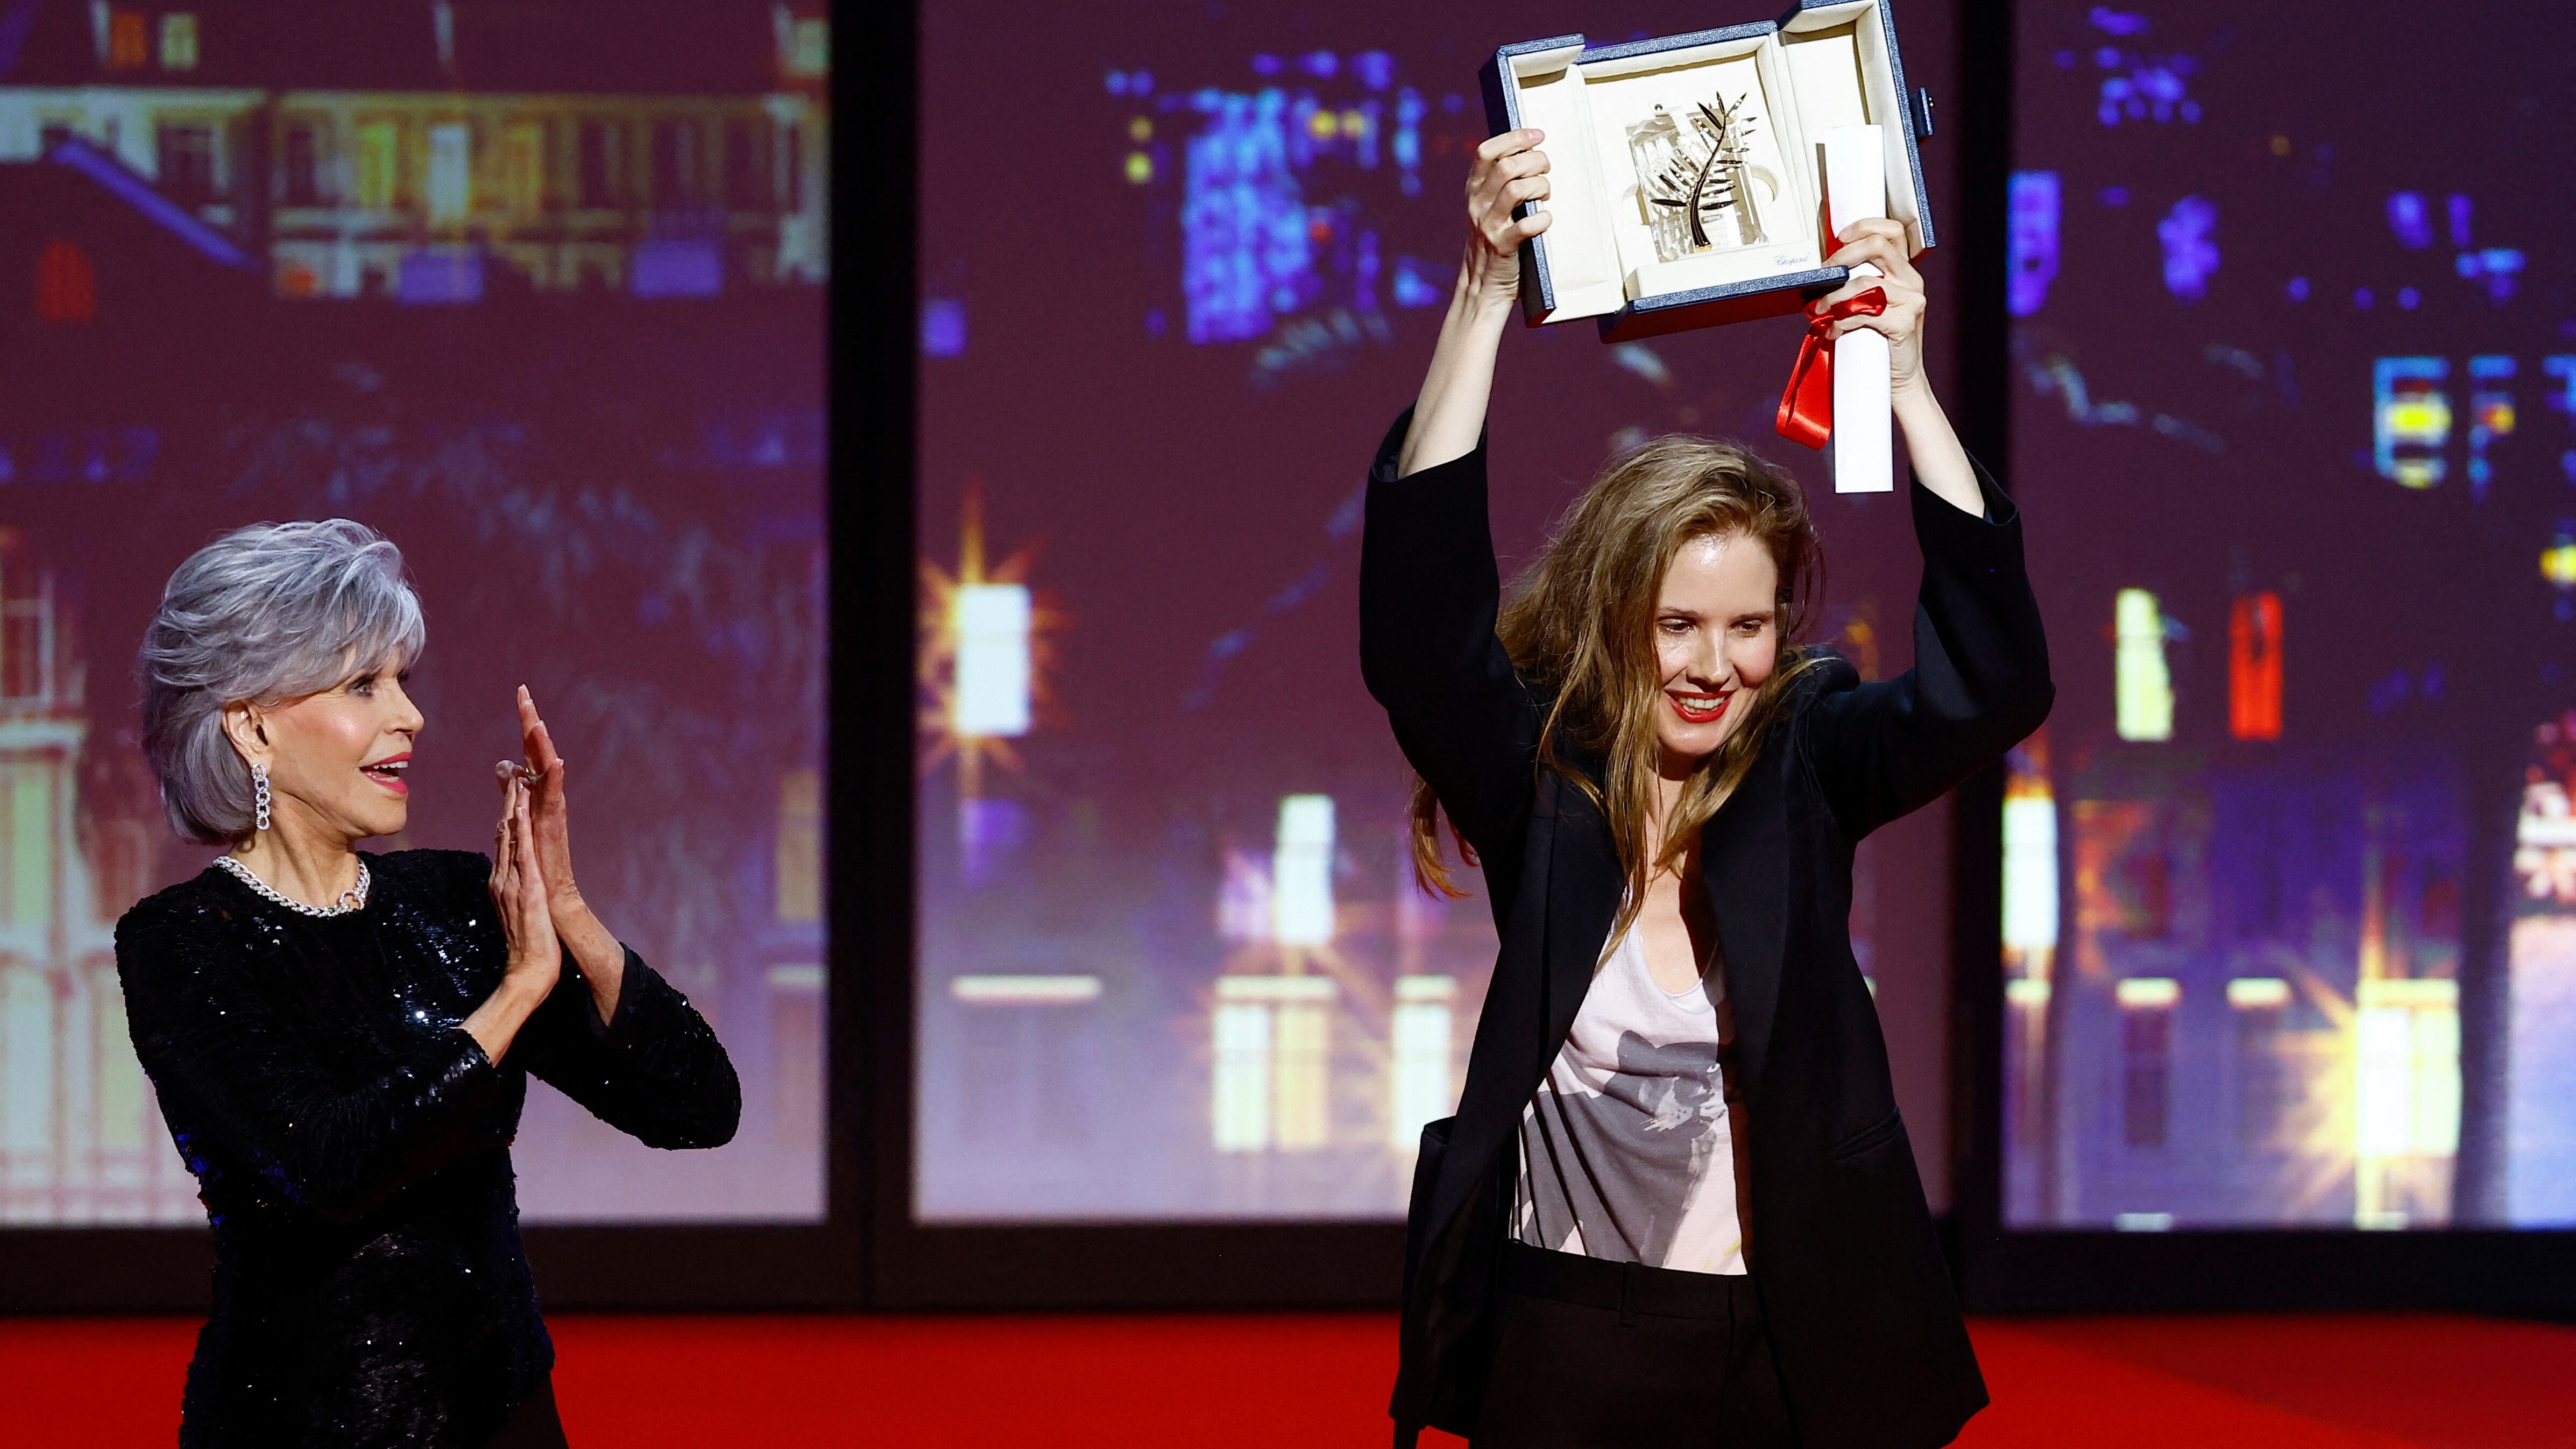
[1980, 679]
[1874, 250]
[1429, 588]
[1449, 417]
[1979, 682]
[653, 1070]
[646, 1064]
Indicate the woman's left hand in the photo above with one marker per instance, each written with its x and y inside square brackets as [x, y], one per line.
[545, 775]
[1880, 243]
[601, 958]
[1939, 462]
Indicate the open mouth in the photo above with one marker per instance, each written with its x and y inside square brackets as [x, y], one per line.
[1699, 708]
[388, 772]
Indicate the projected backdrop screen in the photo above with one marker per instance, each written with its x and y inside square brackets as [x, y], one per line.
[2290, 916]
[1182, 265]
[537, 292]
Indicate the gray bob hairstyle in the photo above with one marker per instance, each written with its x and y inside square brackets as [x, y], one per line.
[263, 614]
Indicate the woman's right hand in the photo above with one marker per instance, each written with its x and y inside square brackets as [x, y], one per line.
[1509, 170]
[518, 887]
[1449, 414]
[519, 893]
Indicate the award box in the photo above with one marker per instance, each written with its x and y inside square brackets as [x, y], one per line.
[1686, 183]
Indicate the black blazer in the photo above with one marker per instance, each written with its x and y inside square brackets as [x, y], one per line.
[1864, 1325]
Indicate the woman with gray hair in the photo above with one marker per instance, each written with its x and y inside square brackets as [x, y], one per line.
[341, 1041]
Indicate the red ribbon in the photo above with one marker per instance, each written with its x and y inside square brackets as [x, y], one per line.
[1807, 406]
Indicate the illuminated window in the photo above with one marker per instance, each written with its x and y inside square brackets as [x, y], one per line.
[2144, 686]
[1301, 872]
[1419, 1086]
[179, 41]
[2262, 1077]
[66, 283]
[2490, 416]
[2406, 1068]
[128, 40]
[601, 149]
[302, 155]
[1272, 1040]
[451, 171]
[748, 156]
[1241, 1111]
[806, 47]
[187, 163]
[2030, 929]
[677, 170]
[1243, 897]
[26, 631]
[379, 179]
[2030, 869]
[523, 168]
[1301, 1056]
[2146, 1057]
[800, 846]
[2254, 667]
[993, 661]
[2410, 419]
[2026, 1013]
[796, 1037]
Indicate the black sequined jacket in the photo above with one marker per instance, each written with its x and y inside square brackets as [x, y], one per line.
[351, 1144]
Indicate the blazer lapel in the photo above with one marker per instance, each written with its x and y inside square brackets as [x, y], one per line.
[1744, 866]
[1584, 890]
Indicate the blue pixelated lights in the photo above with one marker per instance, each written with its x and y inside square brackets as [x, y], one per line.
[2189, 236]
[1256, 248]
[1243, 223]
[2031, 240]
[943, 327]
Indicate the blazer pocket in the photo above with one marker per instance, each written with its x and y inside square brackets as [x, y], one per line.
[1426, 1166]
[1868, 1137]
[1426, 1182]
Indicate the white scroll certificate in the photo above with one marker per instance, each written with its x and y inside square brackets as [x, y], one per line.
[1855, 166]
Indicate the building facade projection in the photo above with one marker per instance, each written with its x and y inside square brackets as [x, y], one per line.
[439, 182]
[80, 1138]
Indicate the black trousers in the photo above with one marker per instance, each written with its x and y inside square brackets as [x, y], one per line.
[1602, 1355]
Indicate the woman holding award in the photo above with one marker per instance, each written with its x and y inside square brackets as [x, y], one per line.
[341, 1041]
[1677, 1205]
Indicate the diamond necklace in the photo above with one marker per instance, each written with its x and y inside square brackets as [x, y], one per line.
[352, 899]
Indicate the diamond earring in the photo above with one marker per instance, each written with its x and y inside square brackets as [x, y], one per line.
[259, 795]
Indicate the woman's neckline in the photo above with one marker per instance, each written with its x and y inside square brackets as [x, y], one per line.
[352, 902]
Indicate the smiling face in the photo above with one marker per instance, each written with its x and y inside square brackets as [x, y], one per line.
[336, 759]
[1717, 638]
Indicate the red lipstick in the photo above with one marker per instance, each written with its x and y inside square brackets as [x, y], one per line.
[1700, 709]
[388, 772]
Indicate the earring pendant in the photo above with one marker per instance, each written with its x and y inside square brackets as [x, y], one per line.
[259, 795]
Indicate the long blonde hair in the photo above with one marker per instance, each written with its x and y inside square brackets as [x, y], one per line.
[1579, 626]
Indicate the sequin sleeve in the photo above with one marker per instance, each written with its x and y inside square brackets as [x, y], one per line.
[236, 1071]
[655, 1071]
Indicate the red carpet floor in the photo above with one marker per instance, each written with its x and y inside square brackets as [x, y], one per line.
[1270, 1382]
